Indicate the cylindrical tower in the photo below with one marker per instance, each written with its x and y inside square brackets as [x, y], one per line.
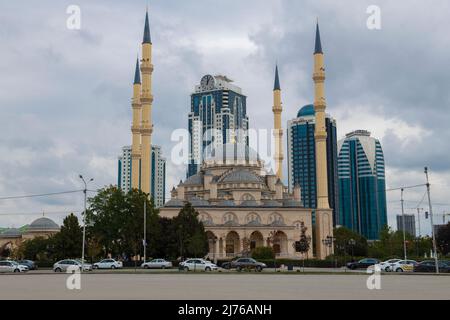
[136, 129]
[278, 130]
[320, 129]
[146, 101]
[324, 215]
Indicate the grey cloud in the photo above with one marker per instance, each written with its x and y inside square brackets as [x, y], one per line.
[74, 89]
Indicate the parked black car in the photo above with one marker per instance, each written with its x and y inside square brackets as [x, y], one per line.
[30, 264]
[362, 264]
[247, 263]
[430, 266]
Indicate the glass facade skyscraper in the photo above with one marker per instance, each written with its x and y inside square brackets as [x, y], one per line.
[302, 158]
[158, 174]
[362, 185]
[218, 116]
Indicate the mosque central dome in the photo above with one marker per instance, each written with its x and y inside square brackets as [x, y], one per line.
[43, 224]
[306, 111]
[233, 153]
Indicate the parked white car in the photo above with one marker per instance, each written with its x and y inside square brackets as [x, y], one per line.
[404, 266]
[12, 266]
[62, 265]
[198, 265]
[387, 265]
[108, 264]
[157, 264]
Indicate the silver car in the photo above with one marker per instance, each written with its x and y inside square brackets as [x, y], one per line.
[63, 265]
[108, 264]
[157, 264]
[12, 266]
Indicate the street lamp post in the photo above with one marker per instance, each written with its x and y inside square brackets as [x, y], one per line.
[144, 242]
[214, 240]
[84, 219]
[431, 219]
[403, 225]
[352, 243]
[328, 242]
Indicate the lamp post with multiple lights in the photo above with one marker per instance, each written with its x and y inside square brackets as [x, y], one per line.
[84, 218]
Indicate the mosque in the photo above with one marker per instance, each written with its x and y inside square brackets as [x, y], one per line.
[12, 238]
[242, 206]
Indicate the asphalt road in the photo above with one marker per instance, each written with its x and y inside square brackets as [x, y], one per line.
[224, 286]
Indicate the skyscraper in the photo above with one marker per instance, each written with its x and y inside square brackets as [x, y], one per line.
[218, 116]
[302, 158]
[158, 173]
[362, 186]
[410, 223]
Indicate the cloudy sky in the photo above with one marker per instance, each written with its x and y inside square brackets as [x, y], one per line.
[65, 94]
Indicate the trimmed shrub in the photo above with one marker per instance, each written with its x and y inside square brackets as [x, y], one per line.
[263, 253]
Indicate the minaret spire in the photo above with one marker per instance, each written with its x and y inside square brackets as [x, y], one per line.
[146, 101]
[136, 129]
[277, 129]
[147, 38]
[137, 73]
[324, 215]
[277, 80]
[318, 44]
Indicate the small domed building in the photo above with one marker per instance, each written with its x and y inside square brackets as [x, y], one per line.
[242, 206]
[41, 227]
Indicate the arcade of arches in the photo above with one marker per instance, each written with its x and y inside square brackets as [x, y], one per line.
[239, 242]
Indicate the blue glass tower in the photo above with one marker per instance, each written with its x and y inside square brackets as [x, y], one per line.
[218, 116]
[362, 185]
[302, 158]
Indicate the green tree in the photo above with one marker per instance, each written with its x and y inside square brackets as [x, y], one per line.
[116, 221]
[443, 239]
[67, 243]
[166, 244]
[190, 233]
[391, 245]
[37, 249]
[344, 238]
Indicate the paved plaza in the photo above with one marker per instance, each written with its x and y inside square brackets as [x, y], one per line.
[227, 286]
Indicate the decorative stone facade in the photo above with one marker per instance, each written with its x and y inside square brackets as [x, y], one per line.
[241, 206]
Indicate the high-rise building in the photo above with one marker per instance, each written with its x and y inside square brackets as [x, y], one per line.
[410, 223]
[125, 173]
[158, 180]
[218, 116]
[302, 158]
[158, 174]
[362, 185]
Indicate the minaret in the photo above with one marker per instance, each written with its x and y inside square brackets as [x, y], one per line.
[278, 130]
[324, 218]
[146, 101]
[136, 129]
